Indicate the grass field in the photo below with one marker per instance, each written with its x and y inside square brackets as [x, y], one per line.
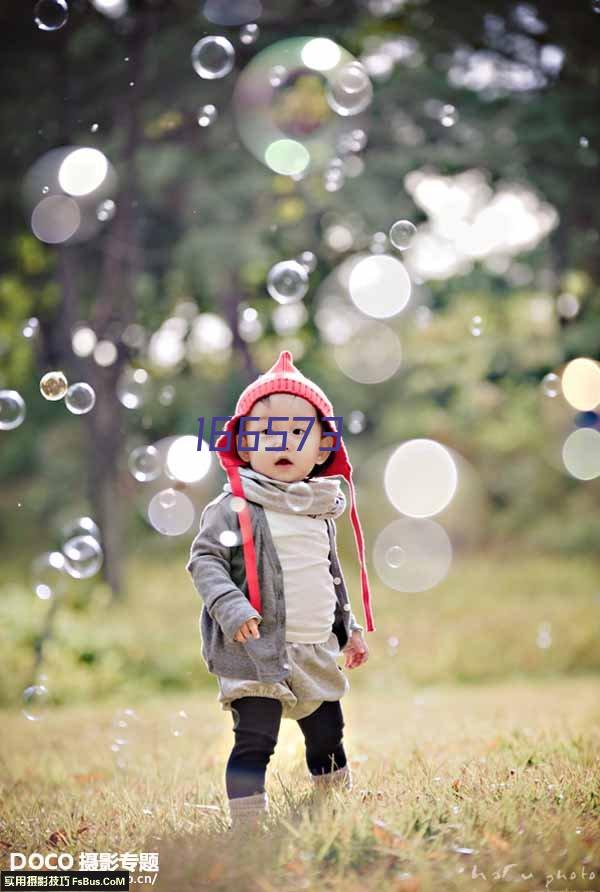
[454, 788]
[473, 735]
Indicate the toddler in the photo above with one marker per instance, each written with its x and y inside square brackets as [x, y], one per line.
[276, 611]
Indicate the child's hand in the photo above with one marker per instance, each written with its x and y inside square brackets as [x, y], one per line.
[356, 651]
[248, 630]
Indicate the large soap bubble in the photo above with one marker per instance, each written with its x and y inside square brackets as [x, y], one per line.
[12, 409]
[283, 107]
[68, 194]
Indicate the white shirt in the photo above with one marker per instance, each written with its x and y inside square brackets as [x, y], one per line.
[302, 545]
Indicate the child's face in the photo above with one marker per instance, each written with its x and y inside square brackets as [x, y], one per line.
[300, 462]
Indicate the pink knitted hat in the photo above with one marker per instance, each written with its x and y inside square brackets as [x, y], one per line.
[283, 376]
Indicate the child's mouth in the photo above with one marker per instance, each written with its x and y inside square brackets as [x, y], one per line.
[283, 461]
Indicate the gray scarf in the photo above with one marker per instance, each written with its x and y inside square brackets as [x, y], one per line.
[328, 500]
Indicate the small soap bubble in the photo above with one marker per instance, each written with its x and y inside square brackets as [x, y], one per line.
[80, 398]
[94, 128]
[299, 496]
[83, 557]
[249, 34]
[134, 387]
[395, 556]
[35, 702]
[213, 57]
[277, 75]
[106, 210]
[12, 409]
[50, 15]
[171, 512]
[401, 234]
[308, 260]
[31, 328]
[551, 385]
[80, 526]
[475, 326]
[287, 281]
[584, 142]
[49, 575]
[544, 636]
[237, 504]
[179, 722]
[349, 90]
[356, 422]
[448, 116]
[145, 463]
[53, 385]
[207, 115]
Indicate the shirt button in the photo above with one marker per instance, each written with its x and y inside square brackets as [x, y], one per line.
[336, 580]
[346, 607]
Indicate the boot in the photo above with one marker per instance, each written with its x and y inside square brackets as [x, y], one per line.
[341, 778]
[247, 812]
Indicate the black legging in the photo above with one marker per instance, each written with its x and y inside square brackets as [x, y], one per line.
[256, 722]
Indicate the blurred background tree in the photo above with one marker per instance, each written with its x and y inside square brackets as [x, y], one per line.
[504, 88]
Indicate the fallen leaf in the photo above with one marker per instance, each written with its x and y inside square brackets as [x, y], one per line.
[58, 839]
[90, 777]
[385, 835]
[407, 884]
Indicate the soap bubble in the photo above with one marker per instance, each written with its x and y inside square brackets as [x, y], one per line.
[80, 526]
[281, 106]
[213, 57]
[178, 722]
[420, 478]
[145, 463]
[106, 210]
[299, 496]
[401, 234]
[171, 512]
[126, 732]
[134, 387]
[207, 115]
[551, 384]
[83, 556]
[350, 90]
[53, 385]
[379, 286]
[249, 34]
[287, 281]
[277, 75]
[80, 398]
[395, 556]
[89, 179]
[412, 555]
[48, 575]
[50, 15]
[31, 328]
[308, 260]
[35, 702]
[12, 409]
